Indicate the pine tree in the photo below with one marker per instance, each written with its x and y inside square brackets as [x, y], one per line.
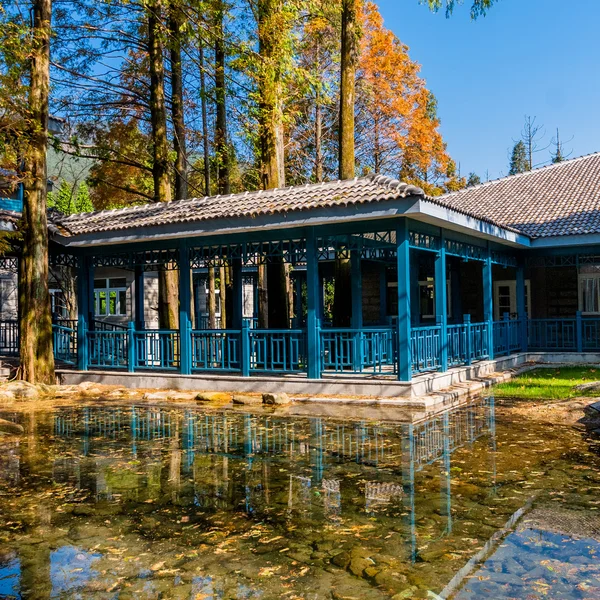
[518, 159]
[83, 202]
[62, 200]
[473, 179]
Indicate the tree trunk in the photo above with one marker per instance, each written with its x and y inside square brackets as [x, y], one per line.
[204, 102]
[35, 318]
[212, 304]
[349, 59]
[318, 141]
[273, 299]
[177, 114]
[221, 148]
[342, 298]
[168, 296]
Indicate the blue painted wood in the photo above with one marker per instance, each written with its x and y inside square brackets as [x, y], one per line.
[216, 350]
[404, 316]
[383, 316]
[552, 335]
[158, 349]
[313, 299]
[425, 348]
[468, 340]
[277, 350]
[185, 290]
[64, 342]
[356, 321]
[245, 357]
[238, 293]
[441, 302]
[521, 307]
[590, 329]
[488, 301]
[85, 308]
[366, 350]
[138, 304]
[579, 331]
[131, 362]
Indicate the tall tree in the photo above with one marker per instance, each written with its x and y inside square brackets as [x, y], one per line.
[473, 179]
[348, 64]
[177, 112]
[519, 162]
[221, 142]
[168, 294]
[35, 318]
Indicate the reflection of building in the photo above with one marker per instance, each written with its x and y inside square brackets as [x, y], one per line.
[377, 494]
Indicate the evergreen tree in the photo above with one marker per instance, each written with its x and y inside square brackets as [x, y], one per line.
[83, 202]
[473, 179]
[62, 200]
[518, 159]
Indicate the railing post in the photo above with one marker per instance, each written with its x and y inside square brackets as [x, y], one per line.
[404, 320]
[131, 346]
[85, 308]
[579, 331]
[245, 348]
[82, 344]
[468, 340]
[313, 299]
[443, 357]
[506, 319]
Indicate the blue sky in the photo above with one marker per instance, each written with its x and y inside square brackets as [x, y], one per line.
[526, 57]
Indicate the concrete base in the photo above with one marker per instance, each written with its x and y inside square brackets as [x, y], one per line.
[410, 394]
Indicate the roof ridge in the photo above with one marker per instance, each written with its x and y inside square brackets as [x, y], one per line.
[568, 161]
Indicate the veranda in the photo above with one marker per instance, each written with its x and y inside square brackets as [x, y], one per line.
[434, 289]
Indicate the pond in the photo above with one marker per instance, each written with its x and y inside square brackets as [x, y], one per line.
[138, 501]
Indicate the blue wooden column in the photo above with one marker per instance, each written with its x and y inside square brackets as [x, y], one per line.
[356, 321]
[313, 298]
[441, 301]
[522, 308]
[85, 308]
[404, 322]
[488, 301]
[383, 316]
[185, 296]
[140, 318]
[237, 293]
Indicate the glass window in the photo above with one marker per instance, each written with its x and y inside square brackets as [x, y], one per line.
[110, 297]
[589, 293]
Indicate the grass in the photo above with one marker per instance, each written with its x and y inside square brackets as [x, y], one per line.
[550, 383]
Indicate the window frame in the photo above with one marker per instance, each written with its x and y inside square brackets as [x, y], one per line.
[581, 295]
[108, 289]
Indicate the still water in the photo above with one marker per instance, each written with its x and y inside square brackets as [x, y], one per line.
[106, 502]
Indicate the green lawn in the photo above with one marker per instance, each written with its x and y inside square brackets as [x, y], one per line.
[553, 384]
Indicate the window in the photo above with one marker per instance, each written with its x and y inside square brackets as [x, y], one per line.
[427, 298]
[589, 292]
[110, 297]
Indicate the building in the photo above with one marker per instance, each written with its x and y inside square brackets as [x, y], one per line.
[500, 269]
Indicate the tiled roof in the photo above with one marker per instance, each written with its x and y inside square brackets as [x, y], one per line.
[561, 199]
[249, 204]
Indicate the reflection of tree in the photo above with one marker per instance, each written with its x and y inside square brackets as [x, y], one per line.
[36, 583]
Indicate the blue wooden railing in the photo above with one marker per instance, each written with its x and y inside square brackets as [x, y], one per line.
[216, 350]
[65, 343]
[426, 348]
[369, 350]
[276, 350]
[366, 350]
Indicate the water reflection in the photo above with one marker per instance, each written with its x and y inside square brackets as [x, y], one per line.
[111, 502]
